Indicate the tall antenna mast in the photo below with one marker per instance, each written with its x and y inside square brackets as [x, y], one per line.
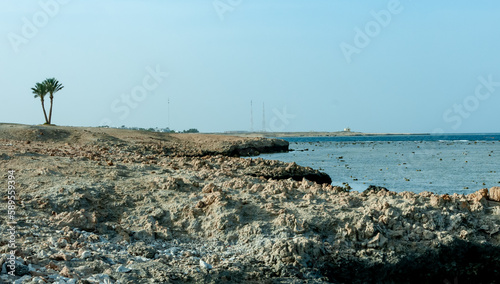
[168, 114]
[263, 118]
[251, 116]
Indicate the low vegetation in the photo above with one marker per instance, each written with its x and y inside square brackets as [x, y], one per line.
[156, 129]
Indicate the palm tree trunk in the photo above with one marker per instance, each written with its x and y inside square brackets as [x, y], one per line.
[45, 113]
[50, 111]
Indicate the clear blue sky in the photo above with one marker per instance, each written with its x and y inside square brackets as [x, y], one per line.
[375, 66]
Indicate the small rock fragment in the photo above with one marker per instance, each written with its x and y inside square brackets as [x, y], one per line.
[141, 249]
[66, 272]
[209, 188]
[86, 254]
[123, 269]
[205, 265]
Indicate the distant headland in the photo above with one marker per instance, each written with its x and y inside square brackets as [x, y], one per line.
[308, 134]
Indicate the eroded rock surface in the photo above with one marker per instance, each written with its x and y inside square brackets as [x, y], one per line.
[101, 211]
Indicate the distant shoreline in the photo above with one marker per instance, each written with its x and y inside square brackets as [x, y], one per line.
[309, 134]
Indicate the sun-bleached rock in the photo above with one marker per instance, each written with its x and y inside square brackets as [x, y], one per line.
[85, 254]
[158, 211]
[494, 193]
[141, 249]
[209, 188]
[205, 265]
[123, 269]
[79, 219]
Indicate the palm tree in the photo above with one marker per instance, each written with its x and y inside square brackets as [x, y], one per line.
[53, 86]
[40, 91]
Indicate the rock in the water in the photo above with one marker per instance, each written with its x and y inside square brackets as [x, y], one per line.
[375, 189]
[286, 171]
[257, 146]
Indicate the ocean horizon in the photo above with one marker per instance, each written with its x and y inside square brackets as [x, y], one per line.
[440, 163]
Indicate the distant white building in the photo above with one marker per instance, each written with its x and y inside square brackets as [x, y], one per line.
[347, 129]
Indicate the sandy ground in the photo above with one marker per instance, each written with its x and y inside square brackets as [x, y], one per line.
[98, 205]
[181, 144]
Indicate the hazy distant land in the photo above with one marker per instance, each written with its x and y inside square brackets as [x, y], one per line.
[308, 134]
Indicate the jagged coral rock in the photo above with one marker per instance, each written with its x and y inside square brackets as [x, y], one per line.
[78, 219]
[494, 193]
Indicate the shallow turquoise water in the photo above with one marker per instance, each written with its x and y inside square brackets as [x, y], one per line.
[438, 166]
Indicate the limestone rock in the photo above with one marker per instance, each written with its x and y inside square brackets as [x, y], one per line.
[79, 219]
[495, 193]
[141, 249]
[66, 272]
[123, 269]
[205, 265]
[147, 219]
[85, 254]
[209, 188]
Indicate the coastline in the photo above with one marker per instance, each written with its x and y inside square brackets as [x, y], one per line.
[309, 134]
[133, 206]
[174, 143]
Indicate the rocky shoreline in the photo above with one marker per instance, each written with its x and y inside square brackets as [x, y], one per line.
[116, 206]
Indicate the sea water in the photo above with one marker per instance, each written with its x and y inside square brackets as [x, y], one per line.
[453, 163]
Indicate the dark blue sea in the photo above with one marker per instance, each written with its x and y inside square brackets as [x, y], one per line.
[445, 163]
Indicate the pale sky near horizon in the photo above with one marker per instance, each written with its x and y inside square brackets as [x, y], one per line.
[375, 66]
